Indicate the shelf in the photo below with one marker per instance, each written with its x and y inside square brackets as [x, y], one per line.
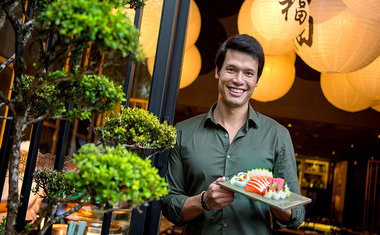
[315, 173]
[312, 173]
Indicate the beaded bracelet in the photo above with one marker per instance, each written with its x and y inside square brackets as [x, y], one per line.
[203, 201]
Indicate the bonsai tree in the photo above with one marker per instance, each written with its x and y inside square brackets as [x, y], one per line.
[107, 174]
[57, 31]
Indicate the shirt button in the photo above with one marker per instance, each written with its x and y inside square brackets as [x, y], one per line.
[226, 135]
[228, 156]
[225, 225]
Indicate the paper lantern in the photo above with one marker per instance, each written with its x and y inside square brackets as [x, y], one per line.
[246, 26]
[322, 10]
[342, 44]
[193, 25]
[367, 79]
[277, 78]
[376, 107]
[278, 20]
[368, 8]
[191, 66]
[339, 92]
[150, 25]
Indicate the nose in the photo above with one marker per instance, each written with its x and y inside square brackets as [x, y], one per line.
[239, 77]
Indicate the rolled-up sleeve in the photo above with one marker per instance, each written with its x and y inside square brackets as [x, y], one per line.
[286, 167]
[172, 204]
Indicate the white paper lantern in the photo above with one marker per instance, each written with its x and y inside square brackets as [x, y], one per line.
[376, 107]
[322, 10]
[280, 20]
[277, 78]
[150, 25]
[246, 26]
[342, 44]
[367, 79]
[193, 25]
[339, 92]
[368, 8]
[191, 66]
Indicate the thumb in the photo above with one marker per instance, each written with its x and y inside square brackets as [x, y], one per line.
[221, 179]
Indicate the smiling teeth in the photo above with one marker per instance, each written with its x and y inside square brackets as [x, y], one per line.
[236, 90]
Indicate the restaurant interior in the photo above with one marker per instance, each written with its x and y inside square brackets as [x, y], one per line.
[337, 150]
[335, 131]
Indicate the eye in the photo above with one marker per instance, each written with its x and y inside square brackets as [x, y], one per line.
[249, 74]
[229, 69]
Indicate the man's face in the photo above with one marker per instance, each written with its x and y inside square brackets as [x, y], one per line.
[237, 78]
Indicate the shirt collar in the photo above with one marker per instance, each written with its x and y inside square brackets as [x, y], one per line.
[252, 117]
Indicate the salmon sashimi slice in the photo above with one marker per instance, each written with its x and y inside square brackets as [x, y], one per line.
[257, 185]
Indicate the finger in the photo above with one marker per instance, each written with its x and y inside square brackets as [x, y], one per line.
[221, 179]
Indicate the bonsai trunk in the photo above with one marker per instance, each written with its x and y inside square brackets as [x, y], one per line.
[13, 196]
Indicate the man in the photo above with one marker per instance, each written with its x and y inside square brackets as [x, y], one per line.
[230, 138]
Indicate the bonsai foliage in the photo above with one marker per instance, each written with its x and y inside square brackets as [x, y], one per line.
[57, 188]
[138, 129]
[57, 34]
[114, 174]
[86, 94]
[108, 174]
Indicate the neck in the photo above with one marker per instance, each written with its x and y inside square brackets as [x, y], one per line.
[230, 117]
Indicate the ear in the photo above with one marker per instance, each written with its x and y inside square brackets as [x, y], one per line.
[216, 73]
[257, 82]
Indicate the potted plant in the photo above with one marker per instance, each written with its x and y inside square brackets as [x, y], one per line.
[111, 172]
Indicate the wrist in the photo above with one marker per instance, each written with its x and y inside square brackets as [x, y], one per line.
[203, 201]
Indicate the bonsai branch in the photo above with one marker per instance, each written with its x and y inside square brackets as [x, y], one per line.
[7, 102]
[28, 27]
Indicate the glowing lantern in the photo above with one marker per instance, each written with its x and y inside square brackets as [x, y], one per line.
[339, 92]
[368, 9]
[277, 78]
[322, 10]
[191, 66]
[150, 25]
[246, 26]
[367, 79]
[376, 106]
[342, 44]
[280, 20]
[193, 25]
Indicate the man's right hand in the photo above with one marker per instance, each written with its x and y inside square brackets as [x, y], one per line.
[217, 197]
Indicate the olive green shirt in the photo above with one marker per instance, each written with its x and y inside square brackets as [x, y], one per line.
[203, 153]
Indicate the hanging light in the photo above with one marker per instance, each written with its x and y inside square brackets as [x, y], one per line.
[191, 66]
[193, 25]
[322, 10]
[339, 92]
[367, 79]
[277, 78]
[246, 26]
[376, 107]
[368, 9]
[150, 25]
[280, 20]
[341, 44]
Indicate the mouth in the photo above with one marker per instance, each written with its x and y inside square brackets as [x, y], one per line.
[236, 91]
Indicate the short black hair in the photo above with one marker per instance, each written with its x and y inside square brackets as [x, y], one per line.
[243, 43]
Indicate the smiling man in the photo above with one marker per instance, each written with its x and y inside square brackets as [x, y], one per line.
[230, 138]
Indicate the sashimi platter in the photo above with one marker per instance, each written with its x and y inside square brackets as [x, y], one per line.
[260, 185]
